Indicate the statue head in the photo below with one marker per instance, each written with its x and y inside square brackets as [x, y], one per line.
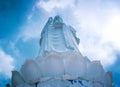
[58, 19]
[50, 20]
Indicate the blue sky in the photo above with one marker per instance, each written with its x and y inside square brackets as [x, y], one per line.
[97, 23]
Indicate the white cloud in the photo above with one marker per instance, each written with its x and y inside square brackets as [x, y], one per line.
[99, 34]
[112, 28]
[31, 30]
[14, 49]
[97, 23]
[6, 63]
[52, 4]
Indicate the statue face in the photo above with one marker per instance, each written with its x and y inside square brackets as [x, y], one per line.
[50, 20]
[58, 19]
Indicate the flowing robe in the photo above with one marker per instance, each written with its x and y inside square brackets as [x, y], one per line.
[58, 38]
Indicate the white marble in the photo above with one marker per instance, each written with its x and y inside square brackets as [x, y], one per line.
[75, 65]
[17, 79]
[31, 71]
[95, 71]
[60, 63]
[57, 36]
[108, 79]
[52, 66]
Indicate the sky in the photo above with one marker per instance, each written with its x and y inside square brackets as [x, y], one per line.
[97, 23]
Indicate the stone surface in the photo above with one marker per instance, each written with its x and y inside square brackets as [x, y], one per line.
[75, 65]
[52, 66]
[31, 71]
[17, 79]
[60, 63]
[108, 79]
[95, 71]
[57, 36]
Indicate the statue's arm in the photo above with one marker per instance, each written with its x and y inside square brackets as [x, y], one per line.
[74, 34]
[44, 29]
[42, 34]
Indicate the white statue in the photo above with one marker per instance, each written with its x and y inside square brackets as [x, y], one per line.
[60, 64]
[58, 37]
